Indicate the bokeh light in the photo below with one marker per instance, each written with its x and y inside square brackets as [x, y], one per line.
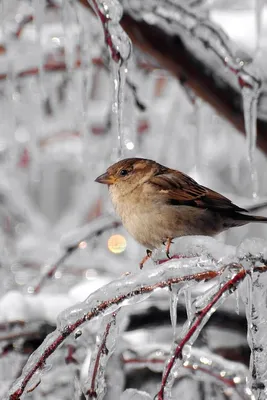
[117, 244]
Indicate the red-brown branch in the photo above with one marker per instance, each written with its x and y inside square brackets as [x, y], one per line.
[232, 283]
[103, 306]
[135, 361]
[115, 54]
[101, 350]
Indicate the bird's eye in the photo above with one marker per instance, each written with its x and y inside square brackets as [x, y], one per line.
[123, 172]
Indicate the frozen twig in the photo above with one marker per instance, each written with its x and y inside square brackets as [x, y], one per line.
[54, 340]
[172, 33]
[82, 235]
[197, 321]
[105, 19]
[124, 289]
[225, 373]
[102, 350]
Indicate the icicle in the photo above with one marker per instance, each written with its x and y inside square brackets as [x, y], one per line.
[199, 305]
[39, 14]
[198, 110]
[89, 154]
[256, 310]
[119, 44]
[237, 306]
[174, 297]
[188, 301]
[259, 9]
[250, 94]
[119, 76]
[69, 18]
[12, 120]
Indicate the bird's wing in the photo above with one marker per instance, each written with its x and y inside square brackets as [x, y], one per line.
[179, 189]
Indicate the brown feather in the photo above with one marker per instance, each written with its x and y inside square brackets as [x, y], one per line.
[179, 189]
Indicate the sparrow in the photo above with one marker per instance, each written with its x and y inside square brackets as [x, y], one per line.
[157, 204]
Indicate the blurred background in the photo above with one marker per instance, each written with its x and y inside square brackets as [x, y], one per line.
[189, 92]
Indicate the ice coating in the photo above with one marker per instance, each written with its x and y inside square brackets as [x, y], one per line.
[209, 302]
[69, 17]
[134, 394]
[76, 243]
[39, 14]
[195, 30]
[255, 300]
[250, 100]
[259, 9]
[174, 293]
[218, 369]
[202, 364]
[131, 289]
[119, 44]
[105, 301]
[194, 246]
[95, 386]
[177, 17]
[71, 242]
[95, 227]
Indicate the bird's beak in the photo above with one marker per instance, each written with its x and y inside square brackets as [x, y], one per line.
[105, 179]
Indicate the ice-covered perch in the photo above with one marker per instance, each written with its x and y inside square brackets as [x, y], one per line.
[186, 44]
[138, 287]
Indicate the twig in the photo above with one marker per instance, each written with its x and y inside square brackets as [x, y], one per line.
[135, 361]
[232, 283]
[115, 54]
[171, 51]
[73, 248]
[70, 359]
[102, 349]
[15, 394]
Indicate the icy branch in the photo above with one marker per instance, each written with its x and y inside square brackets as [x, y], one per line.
[225, 373]
[200, 318]
[99, 360]
[125, 290]
[72, 242]
[255, 298]
[131, 290]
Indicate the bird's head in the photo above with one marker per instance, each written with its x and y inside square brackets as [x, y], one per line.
[129, 173]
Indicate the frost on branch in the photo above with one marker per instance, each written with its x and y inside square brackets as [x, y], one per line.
[131, 290]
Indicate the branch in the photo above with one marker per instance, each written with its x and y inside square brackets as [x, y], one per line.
[171, 51]
[81, 237]
[125, 288]
[199, 320]
[218, 369]
[102, 351]
[99, 304]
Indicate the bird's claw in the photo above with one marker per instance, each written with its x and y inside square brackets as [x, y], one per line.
[168, 254]
[147, 257]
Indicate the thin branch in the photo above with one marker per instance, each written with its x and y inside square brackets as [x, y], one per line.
[15, 394]
[192, 367]
[172, 53]
[115, 53]
[137, 290]
[231, 284]
[102, 349]
[94, 232]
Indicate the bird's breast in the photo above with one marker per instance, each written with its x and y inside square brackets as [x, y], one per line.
[146, 221]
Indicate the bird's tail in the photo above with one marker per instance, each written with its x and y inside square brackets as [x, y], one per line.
[244, 219]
